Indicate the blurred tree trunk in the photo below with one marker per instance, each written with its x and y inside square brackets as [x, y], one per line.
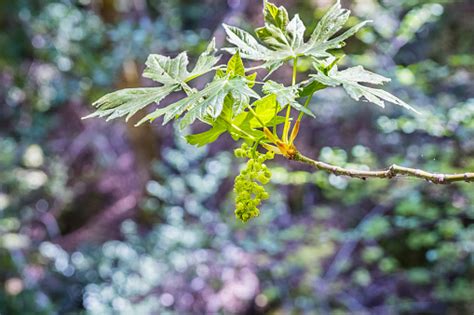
[144, 142]
[107, 10]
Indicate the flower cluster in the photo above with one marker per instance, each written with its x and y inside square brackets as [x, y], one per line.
[248, 185]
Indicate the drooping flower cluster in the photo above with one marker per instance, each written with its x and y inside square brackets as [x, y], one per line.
[248, 185]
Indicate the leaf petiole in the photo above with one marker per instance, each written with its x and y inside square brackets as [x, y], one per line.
[238, 129]
[306, 104]
[255, 115]
[287, 125]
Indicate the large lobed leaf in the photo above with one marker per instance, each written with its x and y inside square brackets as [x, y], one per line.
[322, 39]
[172, 73]
[246, 44]
[351, 78]
[128, 102]
[167, 71]
[207, 102]
[284, 39]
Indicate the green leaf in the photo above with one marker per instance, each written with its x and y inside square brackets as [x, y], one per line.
[273, 15]
[129, 101]
[206, 61]
[168, 71]
[331, 23]
[351, 78]
[235, 66]
[285, 40]
[319, 49]
[171, 72]
[251, 79]
[266, 108]
[246, 44]
[250, 49]
[207, 102]
[296, 31]
[219, 74]
[241, 93]
[203, 138]
[274, 37]
[274, 32]
[245, 122]
[311, 88]
[198, 103]
[285, 95]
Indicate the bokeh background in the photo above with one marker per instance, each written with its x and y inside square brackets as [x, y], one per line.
[105, 218]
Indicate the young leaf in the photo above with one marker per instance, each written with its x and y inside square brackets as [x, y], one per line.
[274, 31]
[235, 66]
[129, 101]
[275, 16]
[351, 78]
[265, 108]
[311, 88]
[245, 122]
[274, 37]
[203, 138]
[251, 79]
[285, 95]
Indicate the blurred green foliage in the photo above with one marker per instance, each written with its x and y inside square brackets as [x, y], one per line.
[323, 245]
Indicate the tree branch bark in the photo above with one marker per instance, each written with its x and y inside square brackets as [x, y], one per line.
[391, 172]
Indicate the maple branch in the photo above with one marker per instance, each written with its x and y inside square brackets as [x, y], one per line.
[391, 172]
